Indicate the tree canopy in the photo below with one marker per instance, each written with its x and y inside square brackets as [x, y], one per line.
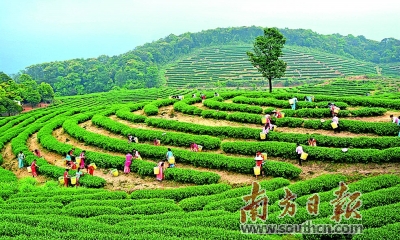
[23, 90]
[267, 50]
[141, 67]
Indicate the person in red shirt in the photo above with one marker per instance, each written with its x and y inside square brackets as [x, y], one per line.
[66, 177]
[33, 168]
[37, 153]
[91, 169]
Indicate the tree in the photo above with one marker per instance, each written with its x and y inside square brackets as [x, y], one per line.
[33, 97]
[46, 92]
[9, 106]
[267, 50]
[4, 77]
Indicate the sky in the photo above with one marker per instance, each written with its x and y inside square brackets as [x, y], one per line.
[37, 31]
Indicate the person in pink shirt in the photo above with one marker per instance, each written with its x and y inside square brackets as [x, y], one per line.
[82, 163]
[128, 162]
[194, 147]
[160, 175]
[299, 151]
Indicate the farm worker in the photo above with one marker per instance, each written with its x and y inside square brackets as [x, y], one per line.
[160, 175]
[332, 109]
[277, 114]
[37, 153]
[168, 155]
[33, 168]
[312, 142]
[193, 95]
[82, 156]
[78, 175]
[71, 153]
[21, 158]
[394, 119]
[266, 128]
[268, 118]
[135, 139]
[130, 138]
[203, 97]
[272, 127]
[299, 151]
[156, 142]
[136, 154]
[335, 119]
[294, 103]
[194, 147]
[128, 162]
[73, 166]
[259, 162]
[68, 159]
[307, 99]
[216, 94]
[66, 176]
[91, 170]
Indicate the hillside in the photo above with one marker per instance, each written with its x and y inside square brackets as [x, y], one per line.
[229, 66]
[142, 66]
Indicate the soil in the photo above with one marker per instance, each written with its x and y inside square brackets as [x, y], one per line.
[200, 120]
[11, 163]
[28, 107]
[132, 181]
[217, 123]
[310, 169]
[125, 182]
[361, 77]
[227, 177]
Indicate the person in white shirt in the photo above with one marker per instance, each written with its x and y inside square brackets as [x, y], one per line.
[294, 103]
[299, 151]
[335, 119]
[268, 118]
[394, 119]
[266, 128]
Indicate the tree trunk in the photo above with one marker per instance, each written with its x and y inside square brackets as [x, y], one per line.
[270, 84]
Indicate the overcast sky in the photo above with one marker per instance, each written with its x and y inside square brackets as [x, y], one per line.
[36, 31]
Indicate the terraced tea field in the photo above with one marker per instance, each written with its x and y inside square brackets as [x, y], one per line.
[201, 197]
[230, 63]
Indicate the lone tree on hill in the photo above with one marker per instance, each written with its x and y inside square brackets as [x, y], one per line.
[267, 50]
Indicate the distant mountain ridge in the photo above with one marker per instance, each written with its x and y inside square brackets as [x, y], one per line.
[141, 67]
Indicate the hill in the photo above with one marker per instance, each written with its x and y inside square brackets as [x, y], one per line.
[228, 65]
[142, 67]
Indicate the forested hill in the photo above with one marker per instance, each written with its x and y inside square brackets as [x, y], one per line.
[141, 67]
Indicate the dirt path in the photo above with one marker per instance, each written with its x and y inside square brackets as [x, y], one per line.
[310, 169]
[217, 123]
[227, 177]
[200, 120]
[11, 163]
[313, 169]
[323, 132]
[123, 182]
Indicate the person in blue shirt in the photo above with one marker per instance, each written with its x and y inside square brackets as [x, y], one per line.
[168, 156]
